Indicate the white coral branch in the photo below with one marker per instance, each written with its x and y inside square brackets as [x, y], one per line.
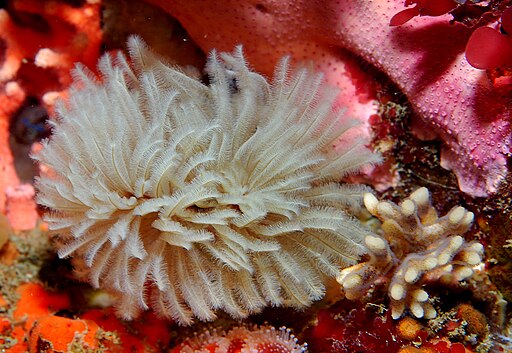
[417, 247]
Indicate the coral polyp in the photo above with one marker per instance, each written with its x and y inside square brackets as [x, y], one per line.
[190, 197]
[417, 248]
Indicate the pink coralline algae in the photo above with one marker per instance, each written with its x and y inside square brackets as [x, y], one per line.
[39, 35]
[424, 57]
[19, 206]
[39, 43]
[11, 97]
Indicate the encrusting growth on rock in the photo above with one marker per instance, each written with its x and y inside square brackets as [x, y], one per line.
[194, 198]
[418, 247]
[265, 339]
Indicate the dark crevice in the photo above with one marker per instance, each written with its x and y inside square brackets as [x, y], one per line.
[261, 8]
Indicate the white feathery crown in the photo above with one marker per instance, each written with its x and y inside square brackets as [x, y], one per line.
[193, 198]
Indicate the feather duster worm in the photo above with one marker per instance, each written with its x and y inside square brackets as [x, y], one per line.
[194, 198]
